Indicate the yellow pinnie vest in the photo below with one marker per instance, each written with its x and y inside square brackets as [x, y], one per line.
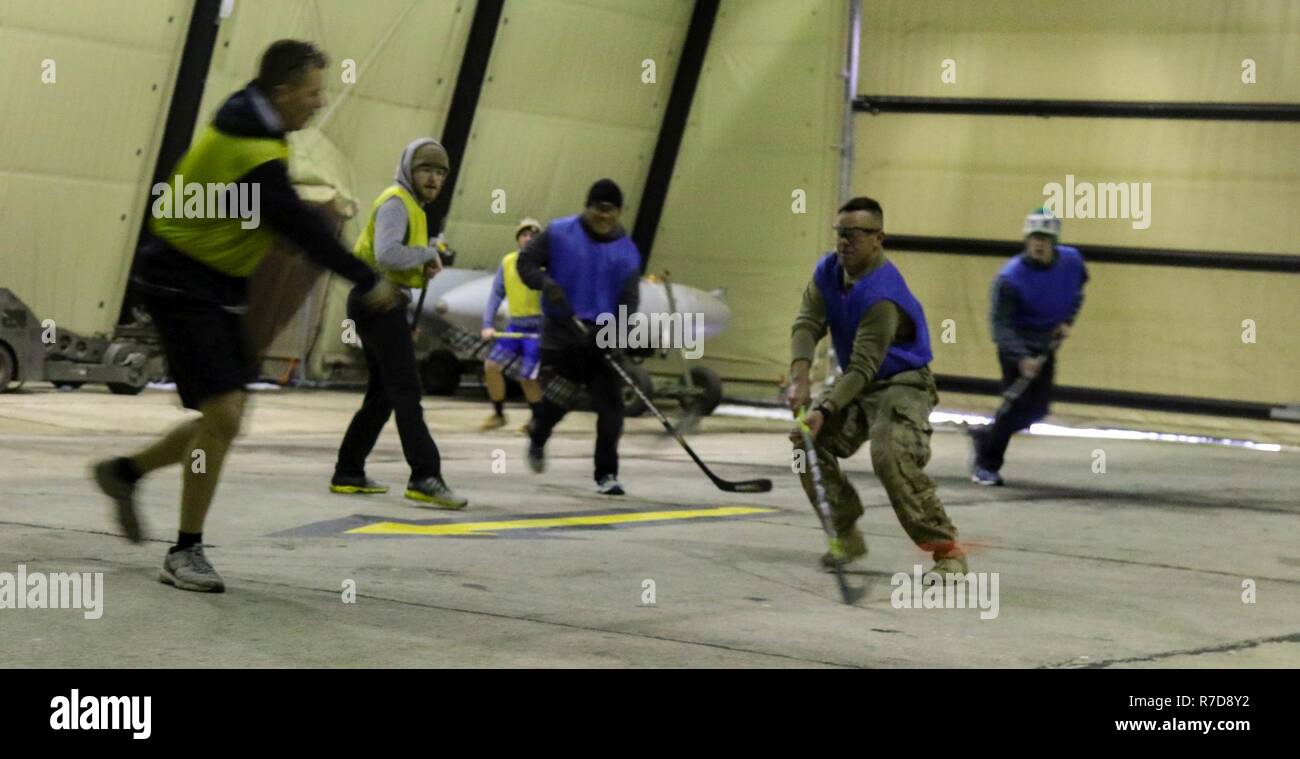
[417, 235]
[221, 243]
[521, 301]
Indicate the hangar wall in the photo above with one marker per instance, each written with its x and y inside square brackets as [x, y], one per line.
[753, 194]
[78, 141]
[1230, 186]
[753, 191]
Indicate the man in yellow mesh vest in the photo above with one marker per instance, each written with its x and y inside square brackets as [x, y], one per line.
[522, 339]
[192, 275]
[395, 243]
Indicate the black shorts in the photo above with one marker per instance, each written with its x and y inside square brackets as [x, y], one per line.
[206, 347]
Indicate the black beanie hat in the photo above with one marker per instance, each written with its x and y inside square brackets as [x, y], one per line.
[605, 191]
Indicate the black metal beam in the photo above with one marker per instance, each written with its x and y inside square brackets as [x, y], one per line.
[191, 77]
[1112, 109]
[1198, 259]
[676, 112]
[1119, 398]
[464, 102]
[182, 112]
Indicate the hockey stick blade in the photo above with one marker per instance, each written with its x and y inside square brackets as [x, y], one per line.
[744, 486]
[850, 595]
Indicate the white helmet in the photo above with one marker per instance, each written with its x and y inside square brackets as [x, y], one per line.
[1041, 221]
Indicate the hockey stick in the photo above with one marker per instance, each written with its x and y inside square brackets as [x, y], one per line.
[1017, 388]
[558, 389]
[824, 507]
[744, 486]
[419, 306]
[690, 417]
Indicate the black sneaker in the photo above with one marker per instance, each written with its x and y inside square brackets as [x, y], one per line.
[536, 458]
[608, 485]
[433, 490]
[109, 478]
[352, 485]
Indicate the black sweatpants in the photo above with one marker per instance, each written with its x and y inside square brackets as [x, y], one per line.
[991, 442]
[394, 386]
[605, 391]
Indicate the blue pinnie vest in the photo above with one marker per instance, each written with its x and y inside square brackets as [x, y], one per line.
[1047, 296]
[592, 273]
[844, 312]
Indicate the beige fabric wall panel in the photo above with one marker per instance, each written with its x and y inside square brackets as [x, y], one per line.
[86, 142]
[765, 123]
[564, 103]
[407, 55]
[1154, 50]
[1215, 185]
[1166, 330]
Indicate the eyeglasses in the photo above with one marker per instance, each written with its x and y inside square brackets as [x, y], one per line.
[847, 233]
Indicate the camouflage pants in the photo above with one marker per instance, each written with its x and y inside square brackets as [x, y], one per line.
[893, 415]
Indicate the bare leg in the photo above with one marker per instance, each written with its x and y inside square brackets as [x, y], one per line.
[495, 381]
[217, 430]
[532, 391]
[169, 449]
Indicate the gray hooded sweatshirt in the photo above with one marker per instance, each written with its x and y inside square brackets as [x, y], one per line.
[391, 222]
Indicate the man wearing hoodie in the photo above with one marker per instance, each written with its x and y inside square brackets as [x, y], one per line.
[1035, 299]
[396, 244]
[585, 265]
[192, 275]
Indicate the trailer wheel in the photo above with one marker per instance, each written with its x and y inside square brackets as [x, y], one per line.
[8, 367]
[440, 373]
[632, 404]
[124, 388]
[710, 385]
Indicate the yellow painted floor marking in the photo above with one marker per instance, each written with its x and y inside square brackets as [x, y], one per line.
[538, 523]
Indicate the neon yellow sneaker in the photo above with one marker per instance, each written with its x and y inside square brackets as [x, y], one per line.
[433, 490]
[951, 565]
[845, 549]
[356, 485]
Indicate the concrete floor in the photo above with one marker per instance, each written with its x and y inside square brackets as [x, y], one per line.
[1140, 566]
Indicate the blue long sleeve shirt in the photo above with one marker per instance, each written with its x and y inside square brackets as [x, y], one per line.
[497, 295]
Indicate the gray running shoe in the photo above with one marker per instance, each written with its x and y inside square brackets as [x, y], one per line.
[434, 491]
[188, 569]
